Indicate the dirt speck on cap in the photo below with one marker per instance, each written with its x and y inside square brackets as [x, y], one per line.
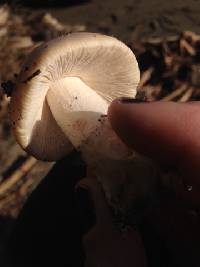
[37, 72]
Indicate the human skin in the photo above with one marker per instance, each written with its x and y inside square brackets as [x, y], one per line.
[168, 133]
[104, 245]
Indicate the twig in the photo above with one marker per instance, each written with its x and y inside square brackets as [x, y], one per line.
[159, 40]
[193, 36]
[185, 46]
[145, 77]
[152, 92]
[186, 96]
[175, 93]
[17, 175]
[5, 202]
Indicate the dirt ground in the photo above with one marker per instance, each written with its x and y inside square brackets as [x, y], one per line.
[129, 17]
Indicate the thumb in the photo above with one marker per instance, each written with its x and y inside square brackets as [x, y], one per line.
[167, 132]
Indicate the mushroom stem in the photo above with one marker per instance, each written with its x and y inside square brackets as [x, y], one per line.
[105, 142]
[124, 175]
[76, 108]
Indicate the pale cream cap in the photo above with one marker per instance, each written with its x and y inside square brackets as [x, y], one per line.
[64, 87]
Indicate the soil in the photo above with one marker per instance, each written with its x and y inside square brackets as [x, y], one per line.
[126, 18]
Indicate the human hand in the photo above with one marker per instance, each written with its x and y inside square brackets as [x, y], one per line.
[169, 133]
[104, 244]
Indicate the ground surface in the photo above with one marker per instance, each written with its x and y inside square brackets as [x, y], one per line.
[123, 18]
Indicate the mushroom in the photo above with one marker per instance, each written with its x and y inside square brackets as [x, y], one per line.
[64, 87]
[61, 98]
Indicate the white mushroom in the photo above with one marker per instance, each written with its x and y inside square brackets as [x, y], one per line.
[64, 88]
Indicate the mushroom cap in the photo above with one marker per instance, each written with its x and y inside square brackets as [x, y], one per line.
[73, 77]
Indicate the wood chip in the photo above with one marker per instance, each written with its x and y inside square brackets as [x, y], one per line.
[185, 46]
[4, 15]
[187, 95]
[175, 93]
[20, 42]
[17, 175]
[192, 36]
[53, 22]
[159, 40]
[152, 92]
[14, 199]
[146, 75]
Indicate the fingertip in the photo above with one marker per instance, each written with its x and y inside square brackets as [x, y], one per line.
[126, 116]
[111, 109]
[166, 132]
[161, 130]
[117, 106]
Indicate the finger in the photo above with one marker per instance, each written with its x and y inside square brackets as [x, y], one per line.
[104, 244]
[168, 132]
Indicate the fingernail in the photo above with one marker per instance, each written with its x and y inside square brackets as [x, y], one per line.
[86, 211]
[127, 100]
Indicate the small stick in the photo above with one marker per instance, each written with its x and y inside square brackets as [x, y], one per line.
[175, 93]
[186, 96]
[159, 40]
[17, 175]
[151, 92]
[185, 46]
[152, 40]
[5, 202]
[194, 37]
[146, 75]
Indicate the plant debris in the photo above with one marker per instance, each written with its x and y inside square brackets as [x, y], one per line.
[36, 73]
[170, 67]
